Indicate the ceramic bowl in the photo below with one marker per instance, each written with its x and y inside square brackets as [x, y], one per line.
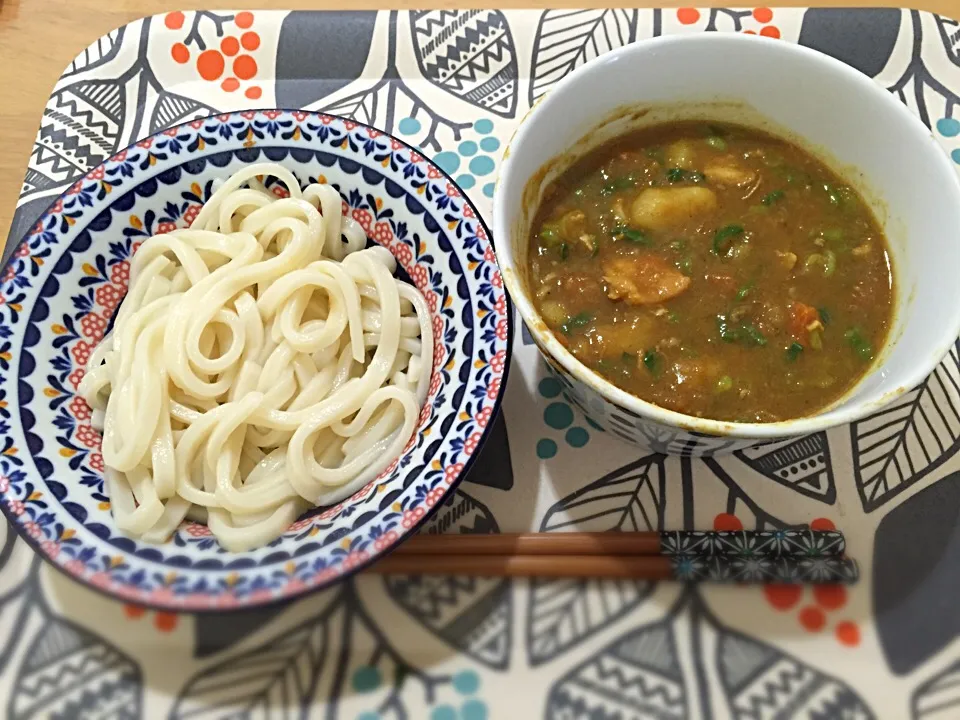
[859, 129]
[65, 280]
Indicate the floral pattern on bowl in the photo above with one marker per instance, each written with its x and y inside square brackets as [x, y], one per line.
[64, 282]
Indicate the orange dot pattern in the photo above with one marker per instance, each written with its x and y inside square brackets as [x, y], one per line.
[688, 16]
[848, 633]
[830, 597]
[244, 67]
[133, 611]
[822, 524]
[783, 597]
[212, 64]
[230, 46]
[180, 53]
[813, 619]
[163, 621]
[763, 16]
[174, 20]
[827, 599]
[727, 522]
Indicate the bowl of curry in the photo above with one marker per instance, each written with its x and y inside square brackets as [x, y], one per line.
[717, 241]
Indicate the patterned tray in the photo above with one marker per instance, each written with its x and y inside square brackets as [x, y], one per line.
[456, 84]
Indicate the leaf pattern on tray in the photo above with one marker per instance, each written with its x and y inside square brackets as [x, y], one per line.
[630, 498]
[100, 51]
[938, 699]
[932, 40]
[340, 654]
[566, 39]
[470, 54]
[379, 102]
[70, 673]
[173, 109]
[565, 612]
[473, 614]
[899, 445]
[645, 674]
[802, 464]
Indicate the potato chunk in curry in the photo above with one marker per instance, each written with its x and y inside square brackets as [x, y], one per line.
[662, 208]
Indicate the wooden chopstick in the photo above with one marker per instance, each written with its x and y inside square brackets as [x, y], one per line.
[739, 543]
[827, 569]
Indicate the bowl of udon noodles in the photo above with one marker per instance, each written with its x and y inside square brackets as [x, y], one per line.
[245, 357]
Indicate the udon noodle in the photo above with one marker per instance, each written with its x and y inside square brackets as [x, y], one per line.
[263, 361]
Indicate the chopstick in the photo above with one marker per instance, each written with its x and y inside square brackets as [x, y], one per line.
[779, 556]
[826, 569]
[740, 543]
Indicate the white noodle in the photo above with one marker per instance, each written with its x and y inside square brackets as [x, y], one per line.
[262, 362]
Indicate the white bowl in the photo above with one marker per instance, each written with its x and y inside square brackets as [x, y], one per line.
[858, 128]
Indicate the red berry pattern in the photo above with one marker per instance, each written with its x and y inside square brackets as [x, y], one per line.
[86, 435]
[364, 218]
[494, 390]
[81, 353]
[79, 409]
[109, 296]
[120, 273]
[383, 234]
[76, 376]
[412, 517]
[92, 327]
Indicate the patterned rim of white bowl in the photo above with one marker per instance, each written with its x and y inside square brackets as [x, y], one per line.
[56, 297]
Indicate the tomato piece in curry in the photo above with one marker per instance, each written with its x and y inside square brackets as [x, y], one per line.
[714, 270]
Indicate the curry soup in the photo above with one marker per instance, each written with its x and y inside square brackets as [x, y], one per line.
[714, 270]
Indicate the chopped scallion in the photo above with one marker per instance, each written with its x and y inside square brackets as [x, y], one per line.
[771, 198]
[676, 175]
[618, 185]
[631, 234]
[861, 346]
[793, 352]
[754, 336]
[652, 360]
[576, 321]
[723, 238]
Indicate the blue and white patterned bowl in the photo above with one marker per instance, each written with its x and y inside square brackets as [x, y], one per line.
[65, 280]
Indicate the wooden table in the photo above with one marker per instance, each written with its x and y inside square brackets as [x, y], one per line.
[38, 38]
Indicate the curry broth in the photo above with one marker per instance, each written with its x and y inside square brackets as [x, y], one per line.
[714, 270]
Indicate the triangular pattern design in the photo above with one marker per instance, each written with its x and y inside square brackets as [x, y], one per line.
[80, 128]
[172, 109]
[802, 465]
[71, 673]
[469, 54]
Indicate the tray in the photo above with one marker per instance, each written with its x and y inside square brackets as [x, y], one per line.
[456, 83]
